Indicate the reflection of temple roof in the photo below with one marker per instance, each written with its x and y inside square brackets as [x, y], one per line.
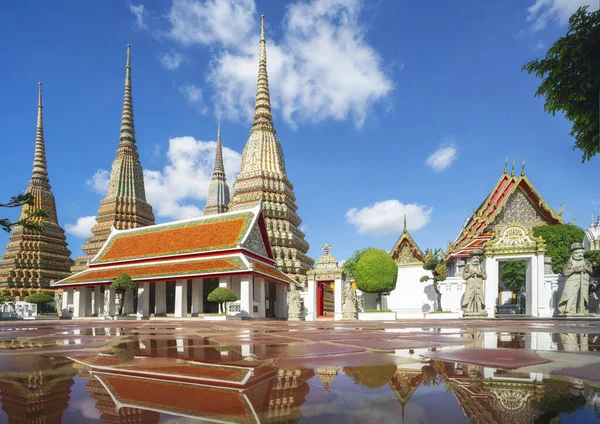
[404, 384]
[405, 251]
[228, 243]
[511, 193]
[326, 375]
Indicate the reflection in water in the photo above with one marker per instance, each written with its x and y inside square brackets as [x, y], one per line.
[153, 379]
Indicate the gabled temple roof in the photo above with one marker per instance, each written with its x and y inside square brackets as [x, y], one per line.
[477, 231]
[197, 235]
[405, 251]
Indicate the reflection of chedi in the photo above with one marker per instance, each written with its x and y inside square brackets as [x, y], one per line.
[263, 177]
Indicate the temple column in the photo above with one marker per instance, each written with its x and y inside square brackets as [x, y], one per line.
[262, 313]
[66, 301]
[225, 282]
[491, 286]
[311, 305]
[89, 305]
[98, 301]
[180, 298]
[245, 296]
[337, 297]
[79, 302]
[281, 303]
[197, 303]
[160, 299]
[109, 302]
[143, 303]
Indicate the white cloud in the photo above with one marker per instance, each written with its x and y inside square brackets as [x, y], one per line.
[544, 11]
[176, 191]
[192, 93]
[82, 228]
[540, 45]
[171, 60]
[320, 39]
[443, 157]
[99, 181]
[140, 14]
[387, 218]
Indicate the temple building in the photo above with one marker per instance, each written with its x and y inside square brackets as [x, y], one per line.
[176, 265]
[263, 178]
[35, 258]
[592, 235]
[218, 191]
[125, 204]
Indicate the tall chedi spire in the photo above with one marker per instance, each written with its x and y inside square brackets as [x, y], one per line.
[36, 257]
[263, 177]
[125, 203]
[218, 191]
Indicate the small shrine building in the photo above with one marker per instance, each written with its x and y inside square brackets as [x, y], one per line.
[177, 264]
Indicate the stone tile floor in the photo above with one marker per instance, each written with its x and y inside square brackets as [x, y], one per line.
[424, 371]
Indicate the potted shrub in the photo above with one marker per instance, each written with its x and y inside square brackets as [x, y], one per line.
[222, 296]
[376, 272]
[121, 284]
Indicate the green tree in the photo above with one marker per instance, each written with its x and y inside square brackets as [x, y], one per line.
[513, 274]
[221, 295]
[558, 240]
[350, 263]
[571, 79]
[435, 264]
[121, 284]
[376, 272]
[594, 257]
[39, 299]
[5, 298]
[32, 219]
[371, 376]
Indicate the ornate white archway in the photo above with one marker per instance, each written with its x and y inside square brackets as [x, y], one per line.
[516, 242]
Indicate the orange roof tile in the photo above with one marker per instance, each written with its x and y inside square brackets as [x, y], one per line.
[199, 235]
[157, 270]
[272, 271]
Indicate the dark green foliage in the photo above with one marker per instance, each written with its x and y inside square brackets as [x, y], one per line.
[5, 298]
[350, 263]
[371, 376]
[559, 397]
[121, 284]
[28, 222]
[125, 354]
[513, 274]
[594, 257]
[39, 298]
[221, 295]
[434, 263]
[571, 79]
[376, 272]
[558, 240]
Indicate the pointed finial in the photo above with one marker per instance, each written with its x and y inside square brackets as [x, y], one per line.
[560, 211]
[404, 231]
[512, 172]
[506, 166]
[127, 139]
[262, 108]
[523, 169]
[592, 224]
[326, 248]
[219, 167]
[40, 168]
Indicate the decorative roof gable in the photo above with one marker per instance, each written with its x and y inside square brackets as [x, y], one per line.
[514, 198]
[406, 252]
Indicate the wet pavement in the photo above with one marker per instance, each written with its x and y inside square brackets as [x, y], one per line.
[187, 371]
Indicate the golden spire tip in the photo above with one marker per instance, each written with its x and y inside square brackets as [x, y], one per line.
[262, 27]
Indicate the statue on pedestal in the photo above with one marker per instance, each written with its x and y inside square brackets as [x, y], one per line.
[294, 303]
[473, 300]
[577, 271]
[349, 306]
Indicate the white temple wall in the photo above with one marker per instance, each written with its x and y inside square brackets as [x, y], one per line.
[411, 298]
[452, 290]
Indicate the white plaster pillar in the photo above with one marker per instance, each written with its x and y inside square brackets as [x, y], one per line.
[311, 300]
[128, 302]
[89, 306]
[197, 301]
[490, 340]
[337, 298]
[281, 308]
[543, 308]
[181, 298]
[260, 282]
[143, 303]
[160, 298]
[245, 296]
[66, 301]
[79, 302]
[532, 287]
[225, 282]
[109, 302]
[98, 301]
[491, 285]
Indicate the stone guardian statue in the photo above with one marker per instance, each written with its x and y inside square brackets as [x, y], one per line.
[575, 296]
[474, 274]
[294, 304]
[349, 306]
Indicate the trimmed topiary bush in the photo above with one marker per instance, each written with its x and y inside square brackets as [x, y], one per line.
[371, 376]
[221, 295]
[434, 263]
[558, 240]
[39, 298]
[350, 263]
[121, 284]
[376, 272]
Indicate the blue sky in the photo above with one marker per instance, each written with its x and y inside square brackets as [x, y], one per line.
[382, 108]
